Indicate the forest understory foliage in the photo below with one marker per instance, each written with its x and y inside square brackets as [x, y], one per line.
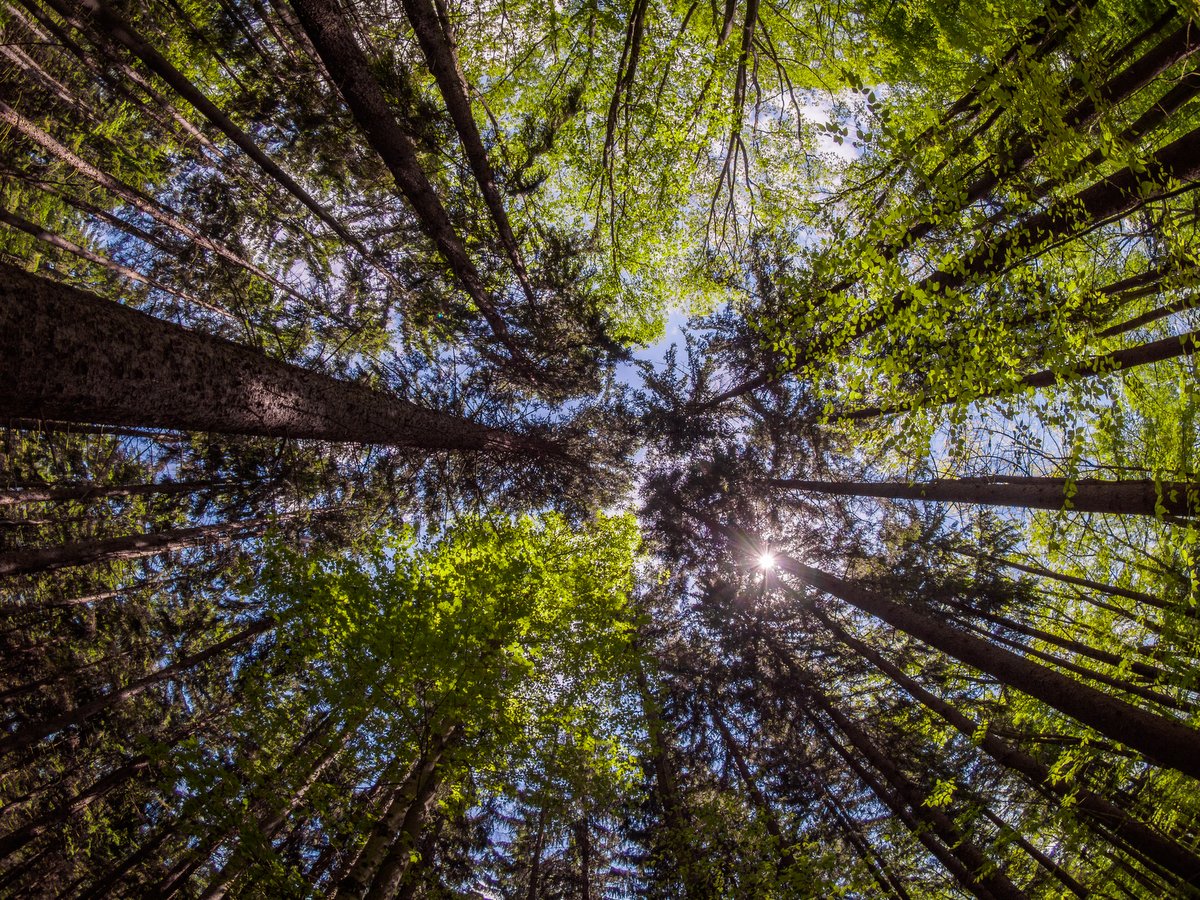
[371, 526]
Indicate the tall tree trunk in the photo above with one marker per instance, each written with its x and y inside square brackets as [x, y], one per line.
[380, 866]
[1142, 497]
[334, 40]
[129, 547]
[31, 492]
[437, 44]
[133, 196]
[875, 861]
[61, 243]
[80, 715]
[932, 827]
[1094, 807]
[1172, 347]
[1161, 740]
[68, 355]
[124, 34]
[1111, 590]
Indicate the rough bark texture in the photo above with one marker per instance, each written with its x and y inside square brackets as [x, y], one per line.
[68, 355]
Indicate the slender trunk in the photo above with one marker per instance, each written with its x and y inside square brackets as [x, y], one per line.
[1096, 809]
[66, 354]
[751, 784]
[398, 826]
[129, 547]
[929, 825]
[80, 715]
[1153, 315]
[875, 862]
[1143, 497]
[1060, 663]
[437, 44]
[31, 492]
[348, 67]
[664, 777]
[1172, 347]
[1137, 596]
[1161, 740]
[133, 196]
[1142, 670]
[123, 33]
[61, 243]
[1065, 878]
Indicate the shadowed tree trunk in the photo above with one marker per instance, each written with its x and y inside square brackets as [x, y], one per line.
[1097, 809]
[1142, 497]
[132, 546]
[69, 355]
[334, 40]
[42, 493]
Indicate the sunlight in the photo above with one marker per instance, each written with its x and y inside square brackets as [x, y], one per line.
[766, 560]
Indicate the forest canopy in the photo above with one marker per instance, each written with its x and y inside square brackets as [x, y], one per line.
[592, 449]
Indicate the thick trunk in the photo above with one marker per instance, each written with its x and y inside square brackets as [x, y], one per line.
[130, 547]
[80, 715]
[1142, 497]
[1095, 808]
[68, 355]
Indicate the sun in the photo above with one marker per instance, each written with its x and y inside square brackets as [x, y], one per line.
[766, 560]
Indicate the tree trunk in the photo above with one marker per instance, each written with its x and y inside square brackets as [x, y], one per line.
[133, 196]
[382, 861]
[1172, 347]
[61, 243]
[133, 546]
[1127, 593]
[31, 492]
[80, 715]
[123, 33]
[68, 355]
[929, 825]
[437, 44]
[1095, 808]
[1142, 497]
[334, 40]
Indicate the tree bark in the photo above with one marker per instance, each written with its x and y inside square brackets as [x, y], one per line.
[129, 547]
[382, 861]
[1142, 497]
[1095, 808]
[437, 44]
[1172, 347]
[930, 826]
[68, 355]
[333, 39]
[80, 715]
[29, 492]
